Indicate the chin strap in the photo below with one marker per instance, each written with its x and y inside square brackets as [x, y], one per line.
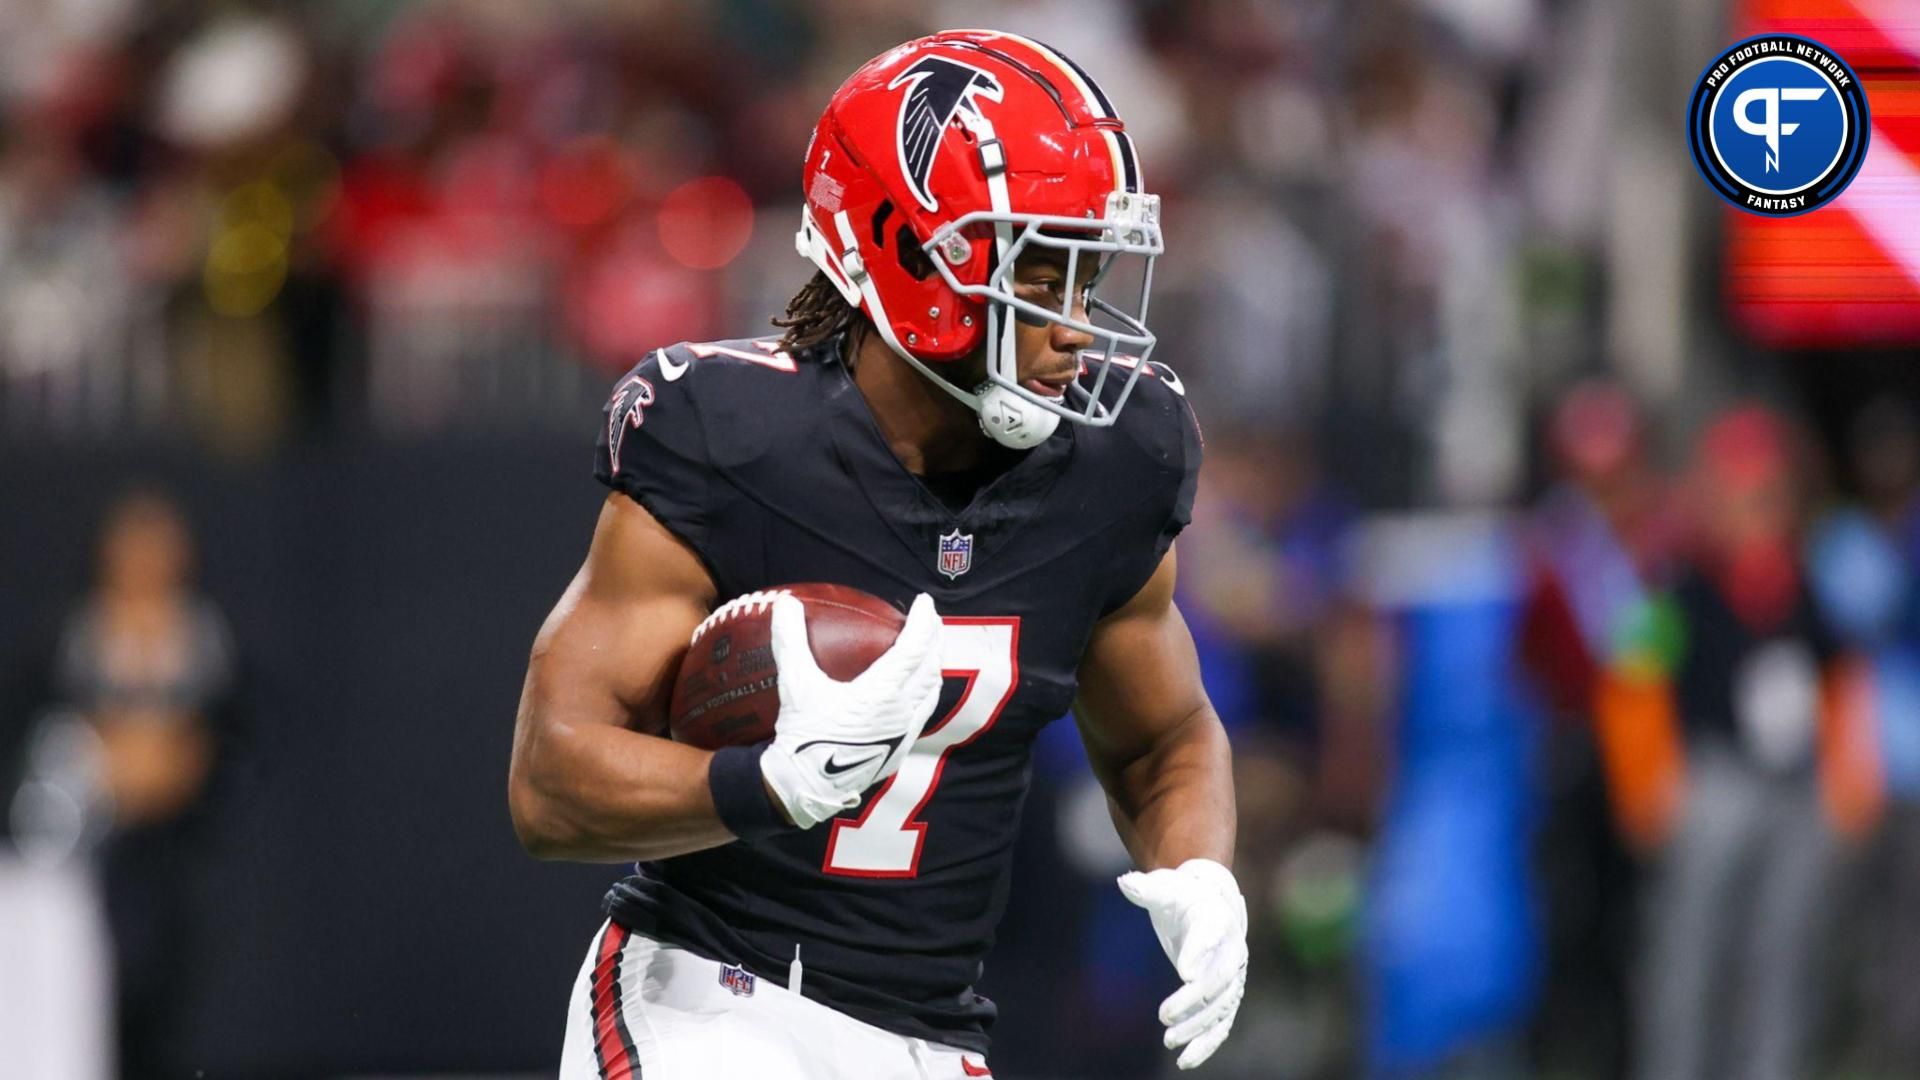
[1013, 421]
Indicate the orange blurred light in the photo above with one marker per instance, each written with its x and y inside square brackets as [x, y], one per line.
[705, 223]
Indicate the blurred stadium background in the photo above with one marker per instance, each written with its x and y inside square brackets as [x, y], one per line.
[1554, 567]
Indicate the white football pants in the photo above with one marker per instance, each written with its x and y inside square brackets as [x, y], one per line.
[646, 1010]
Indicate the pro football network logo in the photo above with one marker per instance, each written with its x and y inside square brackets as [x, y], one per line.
[956, 553]
[1778, 125]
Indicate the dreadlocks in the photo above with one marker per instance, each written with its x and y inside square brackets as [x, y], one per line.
[816, 314]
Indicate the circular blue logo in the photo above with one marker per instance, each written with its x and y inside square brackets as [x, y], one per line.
[1778, 125]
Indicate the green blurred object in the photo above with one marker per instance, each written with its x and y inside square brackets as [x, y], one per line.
[1649, 642]
[1317, 899]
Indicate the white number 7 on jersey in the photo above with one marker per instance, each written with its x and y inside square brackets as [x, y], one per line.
[885, 841]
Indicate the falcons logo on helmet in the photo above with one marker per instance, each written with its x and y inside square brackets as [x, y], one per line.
[936, 89]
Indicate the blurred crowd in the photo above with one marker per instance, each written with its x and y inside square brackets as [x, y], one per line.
[253, 223]
[1634, 765]
[1576, 697]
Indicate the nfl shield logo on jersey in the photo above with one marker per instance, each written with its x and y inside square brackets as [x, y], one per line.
[737, 979]
[956, 553]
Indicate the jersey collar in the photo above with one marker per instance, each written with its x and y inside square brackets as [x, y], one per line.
[916, 516]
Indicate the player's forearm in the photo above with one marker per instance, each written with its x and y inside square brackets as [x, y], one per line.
[1175, 802]
[598, 793]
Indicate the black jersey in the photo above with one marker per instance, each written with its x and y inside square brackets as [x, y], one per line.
[772, 469]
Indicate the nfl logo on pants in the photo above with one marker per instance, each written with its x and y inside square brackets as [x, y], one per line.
[956, 553]
[737, 979]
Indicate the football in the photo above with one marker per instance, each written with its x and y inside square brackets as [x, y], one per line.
[726, 694]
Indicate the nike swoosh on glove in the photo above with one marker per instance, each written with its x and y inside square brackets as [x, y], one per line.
[1201, 919]
[833, 740]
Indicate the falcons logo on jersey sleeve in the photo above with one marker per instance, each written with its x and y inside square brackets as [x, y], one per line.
[627, 411]
[936, 89]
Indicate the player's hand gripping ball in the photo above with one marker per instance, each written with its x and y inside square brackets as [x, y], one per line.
[727, 693]
[838, 682]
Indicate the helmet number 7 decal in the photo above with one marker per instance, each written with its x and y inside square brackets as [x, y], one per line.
[886, 840]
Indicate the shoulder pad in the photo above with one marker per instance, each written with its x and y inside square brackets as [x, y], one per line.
[750, 395]
[1157, 449]
[1157, 416]
[762, 353]
[678, 426]
[676, 417]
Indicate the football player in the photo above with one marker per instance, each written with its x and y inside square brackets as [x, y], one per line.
[958, 419]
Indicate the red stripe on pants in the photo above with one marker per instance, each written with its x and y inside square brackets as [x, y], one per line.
[612, 1044]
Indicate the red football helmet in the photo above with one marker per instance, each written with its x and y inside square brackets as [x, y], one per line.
[934, 166]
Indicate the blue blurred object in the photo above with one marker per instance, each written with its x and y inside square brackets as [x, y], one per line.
[1864, 584]
[1896, 699]
[1226, 668]
[1858, 577]
[1452, 948]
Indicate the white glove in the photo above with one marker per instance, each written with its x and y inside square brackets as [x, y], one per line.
[833, 740]
[1201, 920]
